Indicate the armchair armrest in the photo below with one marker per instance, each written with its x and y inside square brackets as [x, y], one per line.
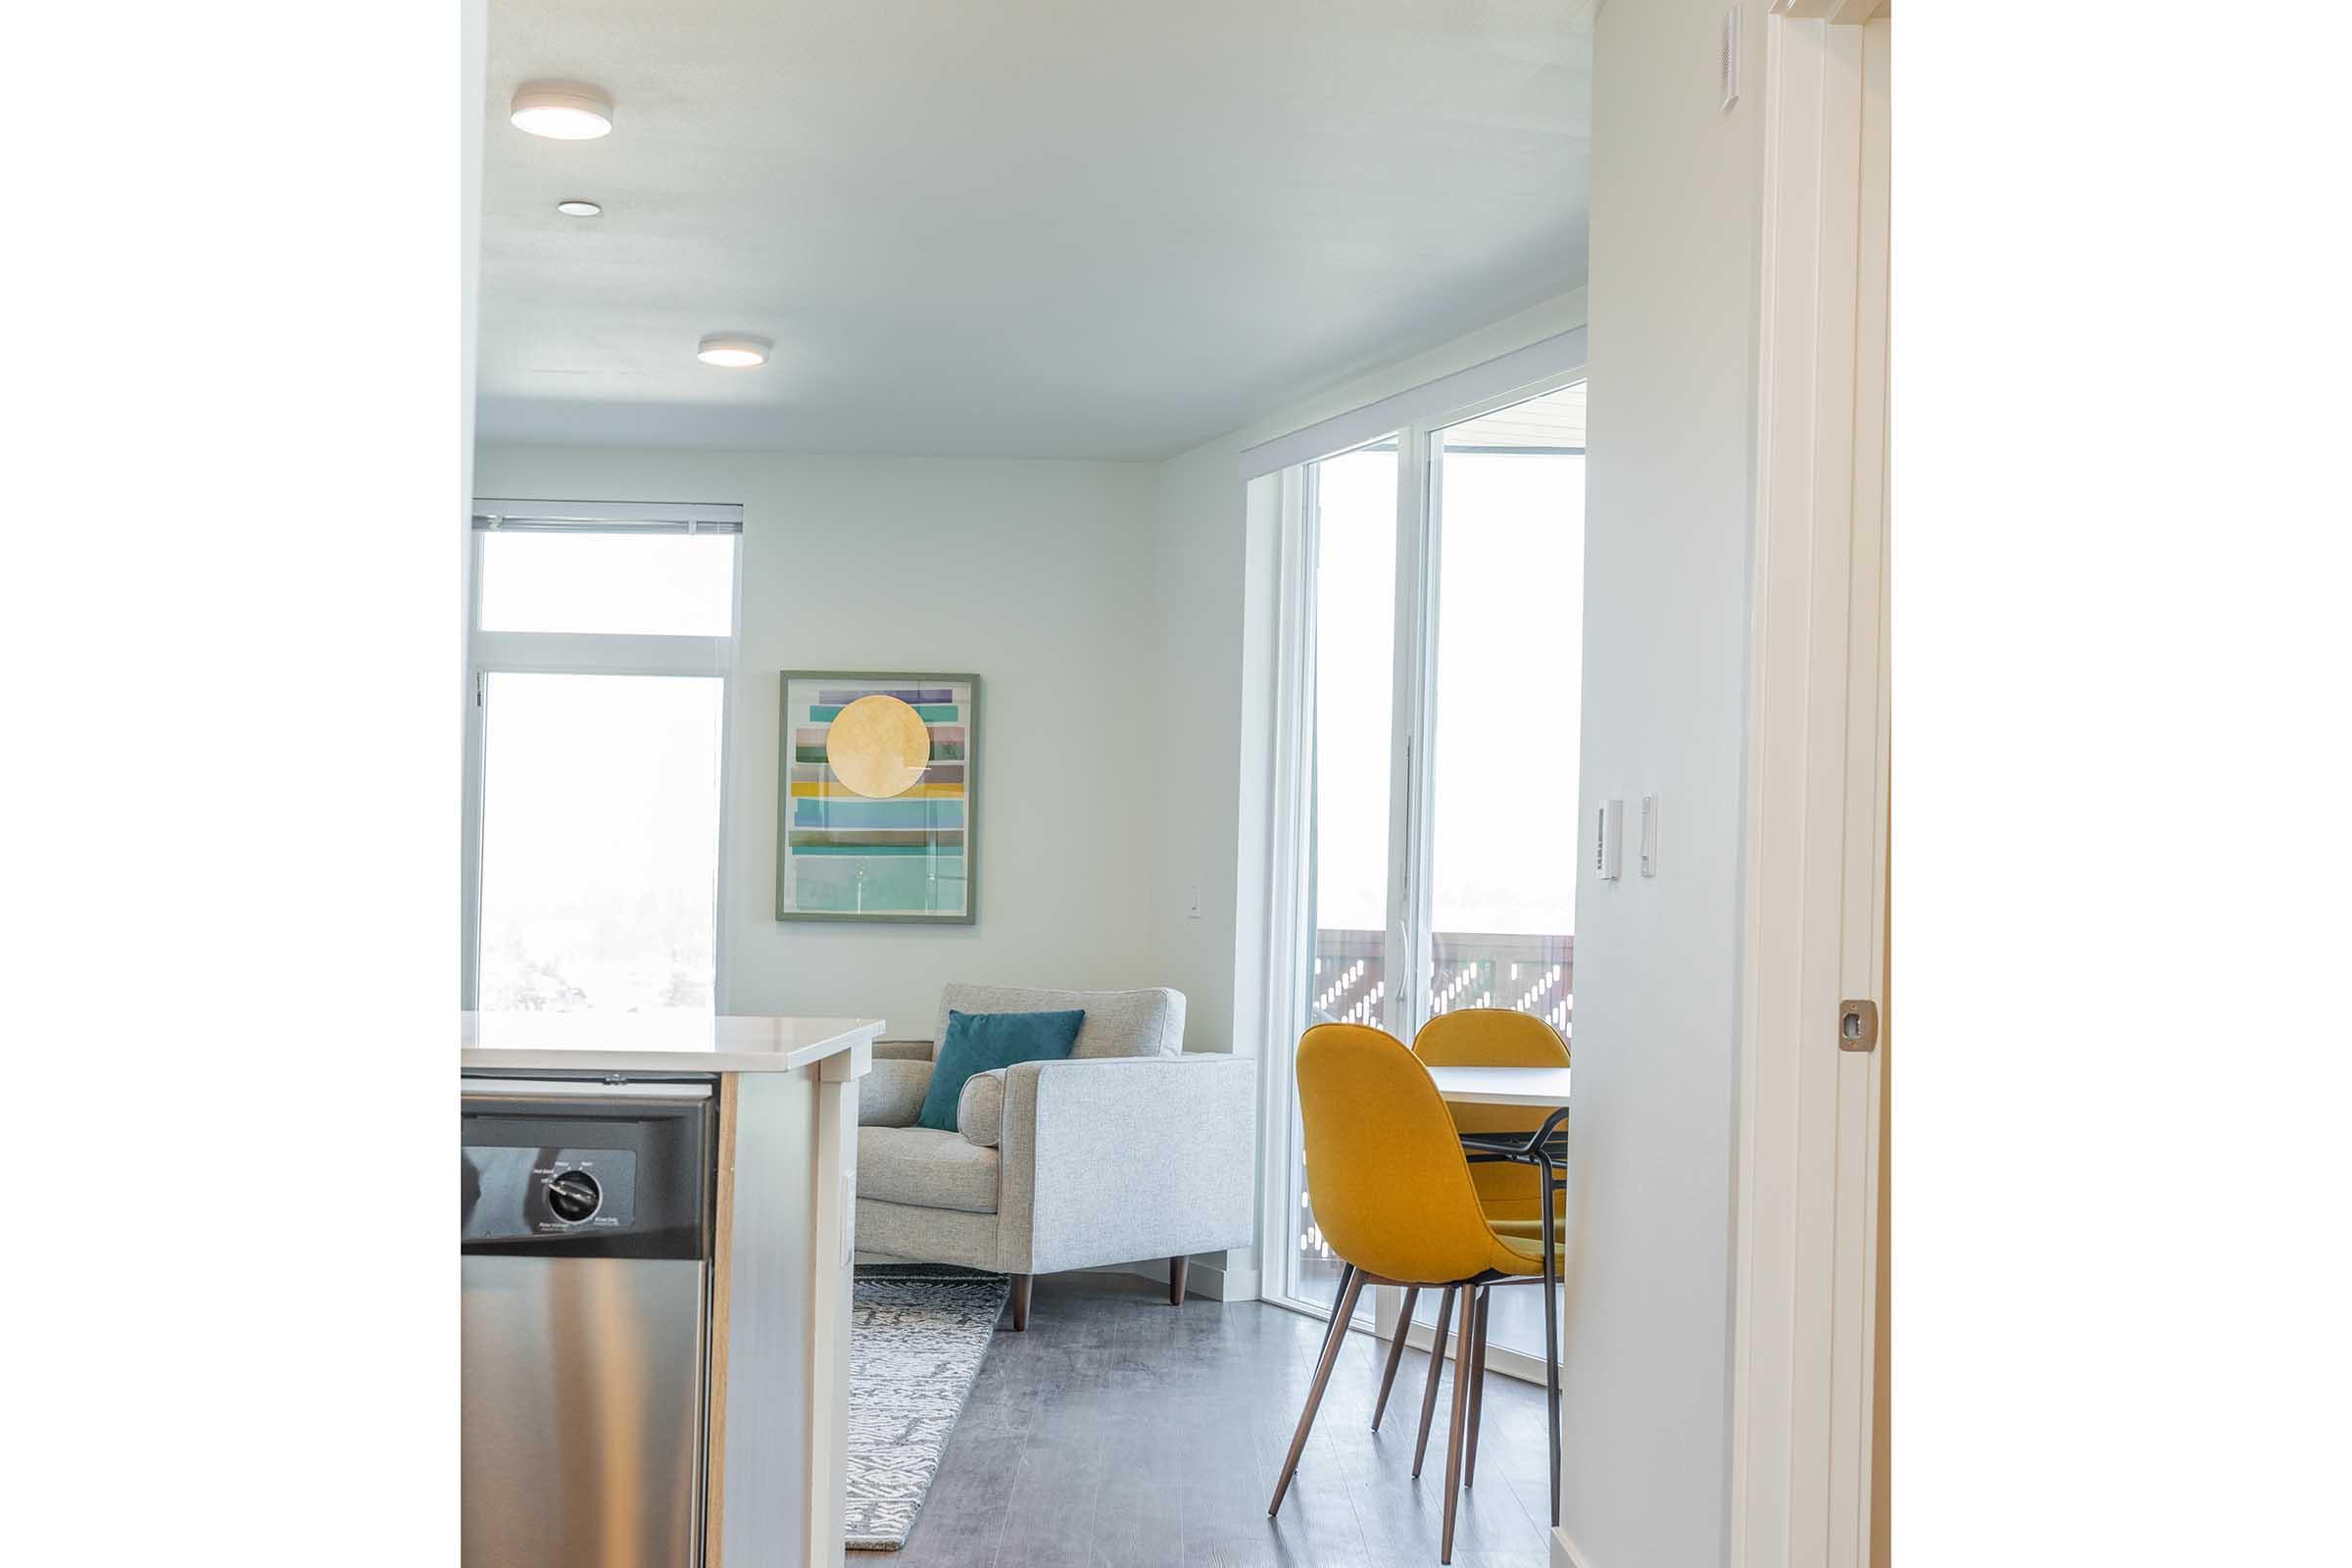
[1116, 1159]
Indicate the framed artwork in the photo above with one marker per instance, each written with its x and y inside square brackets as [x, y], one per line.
[874, 797]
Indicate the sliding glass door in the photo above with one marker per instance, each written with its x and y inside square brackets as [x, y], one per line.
[1349, 507]
[1507, 513]
[1439, 610]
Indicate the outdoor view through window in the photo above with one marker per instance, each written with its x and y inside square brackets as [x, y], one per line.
[600, 654]
[599, 843]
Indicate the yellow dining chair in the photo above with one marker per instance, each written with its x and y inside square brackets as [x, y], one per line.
[1394, 1199]
[1511, 1191]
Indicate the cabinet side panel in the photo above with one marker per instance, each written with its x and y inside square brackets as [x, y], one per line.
[760, 1434]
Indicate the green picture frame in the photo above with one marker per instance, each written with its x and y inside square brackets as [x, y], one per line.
[845, 856]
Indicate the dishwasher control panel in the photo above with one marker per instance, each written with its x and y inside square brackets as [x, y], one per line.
[547, 1174]
[515, 1192]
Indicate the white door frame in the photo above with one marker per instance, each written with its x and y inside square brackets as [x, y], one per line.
[1816, 834]
[1548, 365]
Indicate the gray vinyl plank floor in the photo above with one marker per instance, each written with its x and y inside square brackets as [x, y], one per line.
[1119, 1432]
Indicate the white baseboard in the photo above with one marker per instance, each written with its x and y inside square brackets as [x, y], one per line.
[1563, 1551]
[1500, 1358]
[1211, 1281]
[1218, 1282]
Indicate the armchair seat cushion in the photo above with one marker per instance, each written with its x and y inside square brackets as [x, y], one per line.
[928, 1168]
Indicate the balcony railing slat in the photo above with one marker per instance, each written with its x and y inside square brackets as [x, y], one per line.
[1526, 972]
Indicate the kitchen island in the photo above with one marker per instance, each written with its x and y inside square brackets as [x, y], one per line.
[657, 1242]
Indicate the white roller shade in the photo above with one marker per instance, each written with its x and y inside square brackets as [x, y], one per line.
[503, 516]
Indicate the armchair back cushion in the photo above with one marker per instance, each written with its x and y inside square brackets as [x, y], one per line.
[979, 1042]
[892, 1094]
[1149, 1022]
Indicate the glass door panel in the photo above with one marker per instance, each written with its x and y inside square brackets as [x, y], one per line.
[1510, 499]
[1351, 505]
[1508, 494]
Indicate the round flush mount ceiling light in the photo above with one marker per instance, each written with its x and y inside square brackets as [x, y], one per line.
[736, 351]
[566, 111]
[578, 209]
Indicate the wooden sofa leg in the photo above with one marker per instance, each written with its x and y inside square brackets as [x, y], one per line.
[1020, 1303]
[1178, 1267]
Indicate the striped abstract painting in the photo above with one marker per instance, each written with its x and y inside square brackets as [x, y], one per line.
[883, 830]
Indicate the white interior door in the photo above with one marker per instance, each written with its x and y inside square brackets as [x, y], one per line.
[1812, 1058]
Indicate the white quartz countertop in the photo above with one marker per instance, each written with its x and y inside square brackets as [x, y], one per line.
[575, 1041]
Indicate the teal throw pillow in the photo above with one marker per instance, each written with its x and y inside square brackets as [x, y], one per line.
[982, 1042]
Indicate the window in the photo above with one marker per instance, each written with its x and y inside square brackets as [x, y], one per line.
[1435, 616]
[602, 647]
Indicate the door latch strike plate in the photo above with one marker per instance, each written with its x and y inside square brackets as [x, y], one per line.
[1857, 1025]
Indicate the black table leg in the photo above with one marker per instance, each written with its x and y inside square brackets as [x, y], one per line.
[1551, 1335]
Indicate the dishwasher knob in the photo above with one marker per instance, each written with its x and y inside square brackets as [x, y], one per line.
[574, 1195]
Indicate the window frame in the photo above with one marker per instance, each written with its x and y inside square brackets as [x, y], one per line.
[535, 653]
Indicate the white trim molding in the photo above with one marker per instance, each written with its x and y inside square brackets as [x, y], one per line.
[1530, 369]
[1205, 1282]
[1816, 835]
[1836, 13]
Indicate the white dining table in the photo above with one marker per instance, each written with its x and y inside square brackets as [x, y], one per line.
[1539, 1089]
[1544, 1087]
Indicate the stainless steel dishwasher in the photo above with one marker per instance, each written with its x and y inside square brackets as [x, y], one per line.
[586, 1262]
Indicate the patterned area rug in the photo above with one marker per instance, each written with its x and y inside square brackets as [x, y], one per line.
[917, 1334]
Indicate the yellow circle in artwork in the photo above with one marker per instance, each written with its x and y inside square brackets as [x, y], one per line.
[878, 746]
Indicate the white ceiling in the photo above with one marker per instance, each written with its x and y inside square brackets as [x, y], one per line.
[1092, 228]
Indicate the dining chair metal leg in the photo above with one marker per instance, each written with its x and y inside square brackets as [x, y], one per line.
[1552, 1337]
[1405, 1324]
[1464, 1358]
[1334, 1324]
[1315, 1394]
[1437, 1365]
[1478, 1387]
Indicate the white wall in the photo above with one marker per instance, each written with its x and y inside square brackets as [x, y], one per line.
[1037, 575]
[1198, 559]
[1668, 520]
[1668, 529]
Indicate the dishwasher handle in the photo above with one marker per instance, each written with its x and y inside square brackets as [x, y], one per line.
[614, 1088]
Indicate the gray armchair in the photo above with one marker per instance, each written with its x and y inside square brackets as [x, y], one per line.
[1132, 1149]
